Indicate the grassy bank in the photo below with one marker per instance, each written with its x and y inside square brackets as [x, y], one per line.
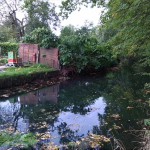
[25, 71]
[19, 76]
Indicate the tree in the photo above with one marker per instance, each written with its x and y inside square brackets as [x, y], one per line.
[6, 34]
[40, 14]
[69, 6]
[9, 11]
[81, 50]
[126, 26]
[131, 19]
[37, 13]
[42, 36]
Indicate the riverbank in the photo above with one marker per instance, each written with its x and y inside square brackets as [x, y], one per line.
[62, 107]
[25, 79]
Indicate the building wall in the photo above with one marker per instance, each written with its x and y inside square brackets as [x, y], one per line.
[31, 53]
[50, 57]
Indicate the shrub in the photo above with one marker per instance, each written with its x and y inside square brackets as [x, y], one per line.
[7, 46]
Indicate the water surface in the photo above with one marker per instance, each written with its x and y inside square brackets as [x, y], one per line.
[69, 111]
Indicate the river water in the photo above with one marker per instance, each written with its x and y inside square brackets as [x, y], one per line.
[116, 106]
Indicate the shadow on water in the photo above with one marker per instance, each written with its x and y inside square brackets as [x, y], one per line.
[115, 106]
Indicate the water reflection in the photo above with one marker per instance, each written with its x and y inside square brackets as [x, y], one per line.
[72, 127]
[67, 112]
[41, 96]
[8, 110]
[11, 111]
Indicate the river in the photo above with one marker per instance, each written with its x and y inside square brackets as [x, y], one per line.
[116, 106]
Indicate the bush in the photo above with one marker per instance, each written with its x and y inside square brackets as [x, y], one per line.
[7, 46]
[42, 36]
[3, 60]
[82, 51]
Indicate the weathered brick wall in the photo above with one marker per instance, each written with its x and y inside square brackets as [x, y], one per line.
[33, 54]
[50, 57]
[29, 53]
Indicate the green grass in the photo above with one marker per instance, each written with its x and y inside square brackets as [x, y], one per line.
[25, 140]
[25, 71]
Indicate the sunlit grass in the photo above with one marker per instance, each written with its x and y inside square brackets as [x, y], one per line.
[25, 71]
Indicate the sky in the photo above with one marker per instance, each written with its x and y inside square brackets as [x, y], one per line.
[78, 18]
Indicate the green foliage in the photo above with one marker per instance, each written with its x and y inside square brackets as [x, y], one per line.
[42, 36]
[147, 122]
[6, 34]
[124, 26]
[14, 140]
[40, 14]
[7, 46]
[82, 50]
[130, 18]
[3, 61]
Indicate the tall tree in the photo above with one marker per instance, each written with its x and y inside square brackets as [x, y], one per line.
[126, 25]
[9, 10]
[36, 13]
[41, 13]
[131, 19]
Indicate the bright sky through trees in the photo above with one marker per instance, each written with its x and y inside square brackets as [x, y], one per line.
[78, 18]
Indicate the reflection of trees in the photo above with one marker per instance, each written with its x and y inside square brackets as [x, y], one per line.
[75, 97]
[41, 116]
[9, 111]
[124, 97]
[66, 134]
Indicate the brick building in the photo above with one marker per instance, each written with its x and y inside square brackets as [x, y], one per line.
[32, 53]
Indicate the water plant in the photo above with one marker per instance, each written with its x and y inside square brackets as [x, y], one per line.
[17, 140]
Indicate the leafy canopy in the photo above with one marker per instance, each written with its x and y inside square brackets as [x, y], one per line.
[124, 26]
[42, 36]
[40, 14]
[81, 49]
